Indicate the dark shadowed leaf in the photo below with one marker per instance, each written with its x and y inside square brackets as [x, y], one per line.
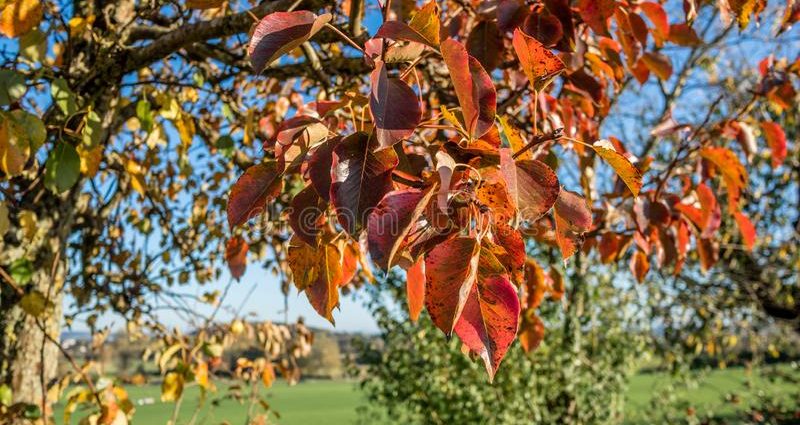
[390, 222]
[304, 216]
[361, 177]
[596, 13]
[319, 167]
[473, 86]
[249, 196]
[63, 168]
[544, 27]
[394, 107]
[279, 33]
[486, 44]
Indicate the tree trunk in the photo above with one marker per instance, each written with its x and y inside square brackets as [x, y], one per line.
[29, 358]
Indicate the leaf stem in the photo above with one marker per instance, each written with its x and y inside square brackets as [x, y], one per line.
[346, 38]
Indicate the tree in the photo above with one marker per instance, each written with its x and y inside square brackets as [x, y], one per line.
[444, 144]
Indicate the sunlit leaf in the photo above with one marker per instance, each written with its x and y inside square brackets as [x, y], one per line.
[281, 32]
[746, 228]
[537, 61]
[621, 165]
[392, 220]
[415, 289]
[659, 64]
[20, 16]
[236, 256]
[451, 269]
[251, 192]
[531, 331]
[172, 386]
[640, 265]
[473, 87]
[532, 184]
[733, 172]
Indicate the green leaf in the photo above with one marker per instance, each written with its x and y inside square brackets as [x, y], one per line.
[92, 128]
[145, 115]
[33, 46]
[62, 169]
[28, 128]
[35, 303]
[5, 395]
[22, 271]
[4, 223]
[63, 96]
[12, 86]
[225, 144]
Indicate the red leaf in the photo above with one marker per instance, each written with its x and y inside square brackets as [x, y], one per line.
[538, 62]
[394, 107]
[746, 228]
[473, 86]
[450, 272]
[596, 13]
[659, 64]
[281, 32]
[639, 265]
[304, 216]
[389, 224]
[319, 167]
[490, 318]
[485, 44]
[531, 331]
[733, 172]
[659, 18]
[236, 256]
[776, 139]
[249, 195]
[415, 289]
[532, 185]
[544, 27]
[360, 178]
[573, 219]
[710, 214]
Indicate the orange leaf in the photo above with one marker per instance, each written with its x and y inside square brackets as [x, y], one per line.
[473, 86]
[236, 256]
[776, 139]
[733, 172]
[746, 228]
[248, 198]
[659, 18]
[19, 17]
[531, 331]
[623, 167]
[415, 289]
[573, 219]
[639, 265]
[538, 62]
[659, 64]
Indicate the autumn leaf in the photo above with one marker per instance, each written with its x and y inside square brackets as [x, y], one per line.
[512, 138]
[394, 107]
[573, 218]
[172, 386]
[596, 13]
[776, 140]
[318, 272]
[537, 61]
[204, 4]
[532, 185]
[473, 87]
[361, 177]
[684, 35]
[20, 17]
[544, 27]
[485, 44]
[640, 265]
[451, 268]
[415, 289]
[537, 284]
[236, 256]
[490, 318]
[392, 220]
[621, 165]
[445, 165]
[35, 303]
[656, 14]
[307, 209]
[423, 27]
[249, 196]
[746, 228]
[319, 167]
[281, 32]
[531, 331]
[659, 64]
[733, 172]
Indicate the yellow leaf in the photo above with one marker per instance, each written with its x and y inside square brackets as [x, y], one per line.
[28, 220]
[514, 139]
[426, 22]
[622, 166]
[35, 303]
[201, 374]
[185, 126]
[137, 176]
[90, 159]
[78, 25]
[172, 387]
[4, 223]
[268, 375]
[20, 17]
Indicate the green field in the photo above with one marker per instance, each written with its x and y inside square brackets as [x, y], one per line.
[335, 402]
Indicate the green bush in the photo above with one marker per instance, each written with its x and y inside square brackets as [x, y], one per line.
[578, 375]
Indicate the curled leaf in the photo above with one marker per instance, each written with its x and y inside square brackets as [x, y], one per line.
[281, 32]
[392, 220]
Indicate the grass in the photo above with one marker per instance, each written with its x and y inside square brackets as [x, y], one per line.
[334, 402]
